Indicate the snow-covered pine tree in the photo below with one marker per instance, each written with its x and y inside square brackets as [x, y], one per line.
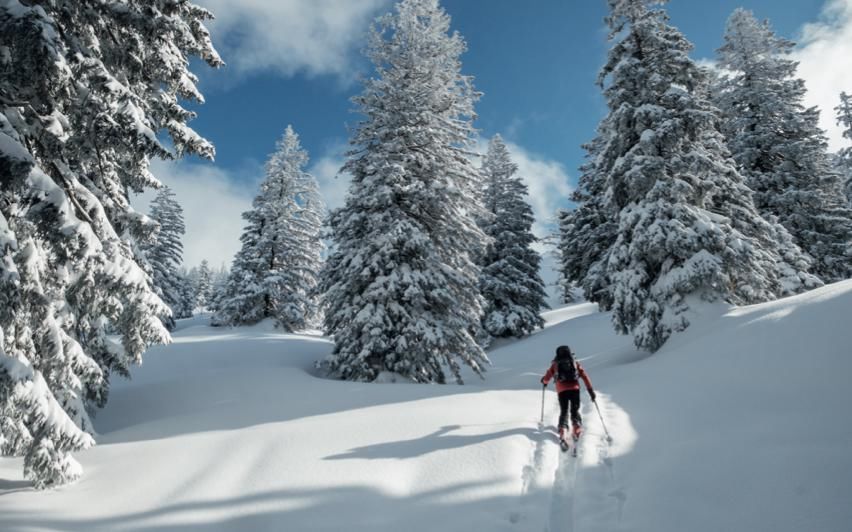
[185, 305]
[86, 88]
[191, 290]
[570, 291]
[275, 273]
[400, 287]
[686, 224]
[778, 144]
[298, 217]
[242, 300]
[587, 234]
[509, 280]
[844, 156]
[204, 286]
[165, 253]
[219, 284]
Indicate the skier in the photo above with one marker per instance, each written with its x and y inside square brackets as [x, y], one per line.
[567, 372]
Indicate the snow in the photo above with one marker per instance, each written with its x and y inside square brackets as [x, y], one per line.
[739, 423]
[11, 148]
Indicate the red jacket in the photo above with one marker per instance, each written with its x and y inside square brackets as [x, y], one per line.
[567, 385]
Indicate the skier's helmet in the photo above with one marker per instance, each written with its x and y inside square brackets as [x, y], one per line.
[563, 352]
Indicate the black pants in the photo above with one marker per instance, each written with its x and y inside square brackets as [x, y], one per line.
[572, 398]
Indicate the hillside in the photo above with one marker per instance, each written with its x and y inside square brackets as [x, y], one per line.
[741, 423]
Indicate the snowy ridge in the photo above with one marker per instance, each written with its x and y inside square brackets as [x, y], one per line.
[740, 423]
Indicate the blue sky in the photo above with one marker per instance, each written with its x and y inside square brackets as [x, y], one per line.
[298, 61]
[535, 62]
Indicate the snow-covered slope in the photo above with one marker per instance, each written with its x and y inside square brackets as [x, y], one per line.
[741, 423]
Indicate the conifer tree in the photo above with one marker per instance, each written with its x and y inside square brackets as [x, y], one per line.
[686, 225]
[185, 305]
[204, 286]
[778, 144]
[165, 253]
[191, 276]
[87, 91]
[513, 290]
[568, 282]
[587, 234]
[400, 287]
[844, 156]
[219, 282]
[275, 273]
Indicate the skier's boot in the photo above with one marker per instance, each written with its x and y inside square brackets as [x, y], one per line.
[563, 438]
[578, 429]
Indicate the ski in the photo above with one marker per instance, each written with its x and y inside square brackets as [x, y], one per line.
[575, 439]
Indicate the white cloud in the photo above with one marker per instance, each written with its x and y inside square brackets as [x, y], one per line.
[548, 184]
[824, 53]
[213, 201]
[289, 36]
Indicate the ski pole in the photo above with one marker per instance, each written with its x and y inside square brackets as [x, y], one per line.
[543, 388]
[608, 437]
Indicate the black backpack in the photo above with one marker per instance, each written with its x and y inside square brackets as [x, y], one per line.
[566, 370]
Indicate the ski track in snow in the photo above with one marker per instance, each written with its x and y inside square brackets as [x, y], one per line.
[587, 485]
[570, 486]
[536, 487]
[530, 475]
[601, 501]
[562, 502]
